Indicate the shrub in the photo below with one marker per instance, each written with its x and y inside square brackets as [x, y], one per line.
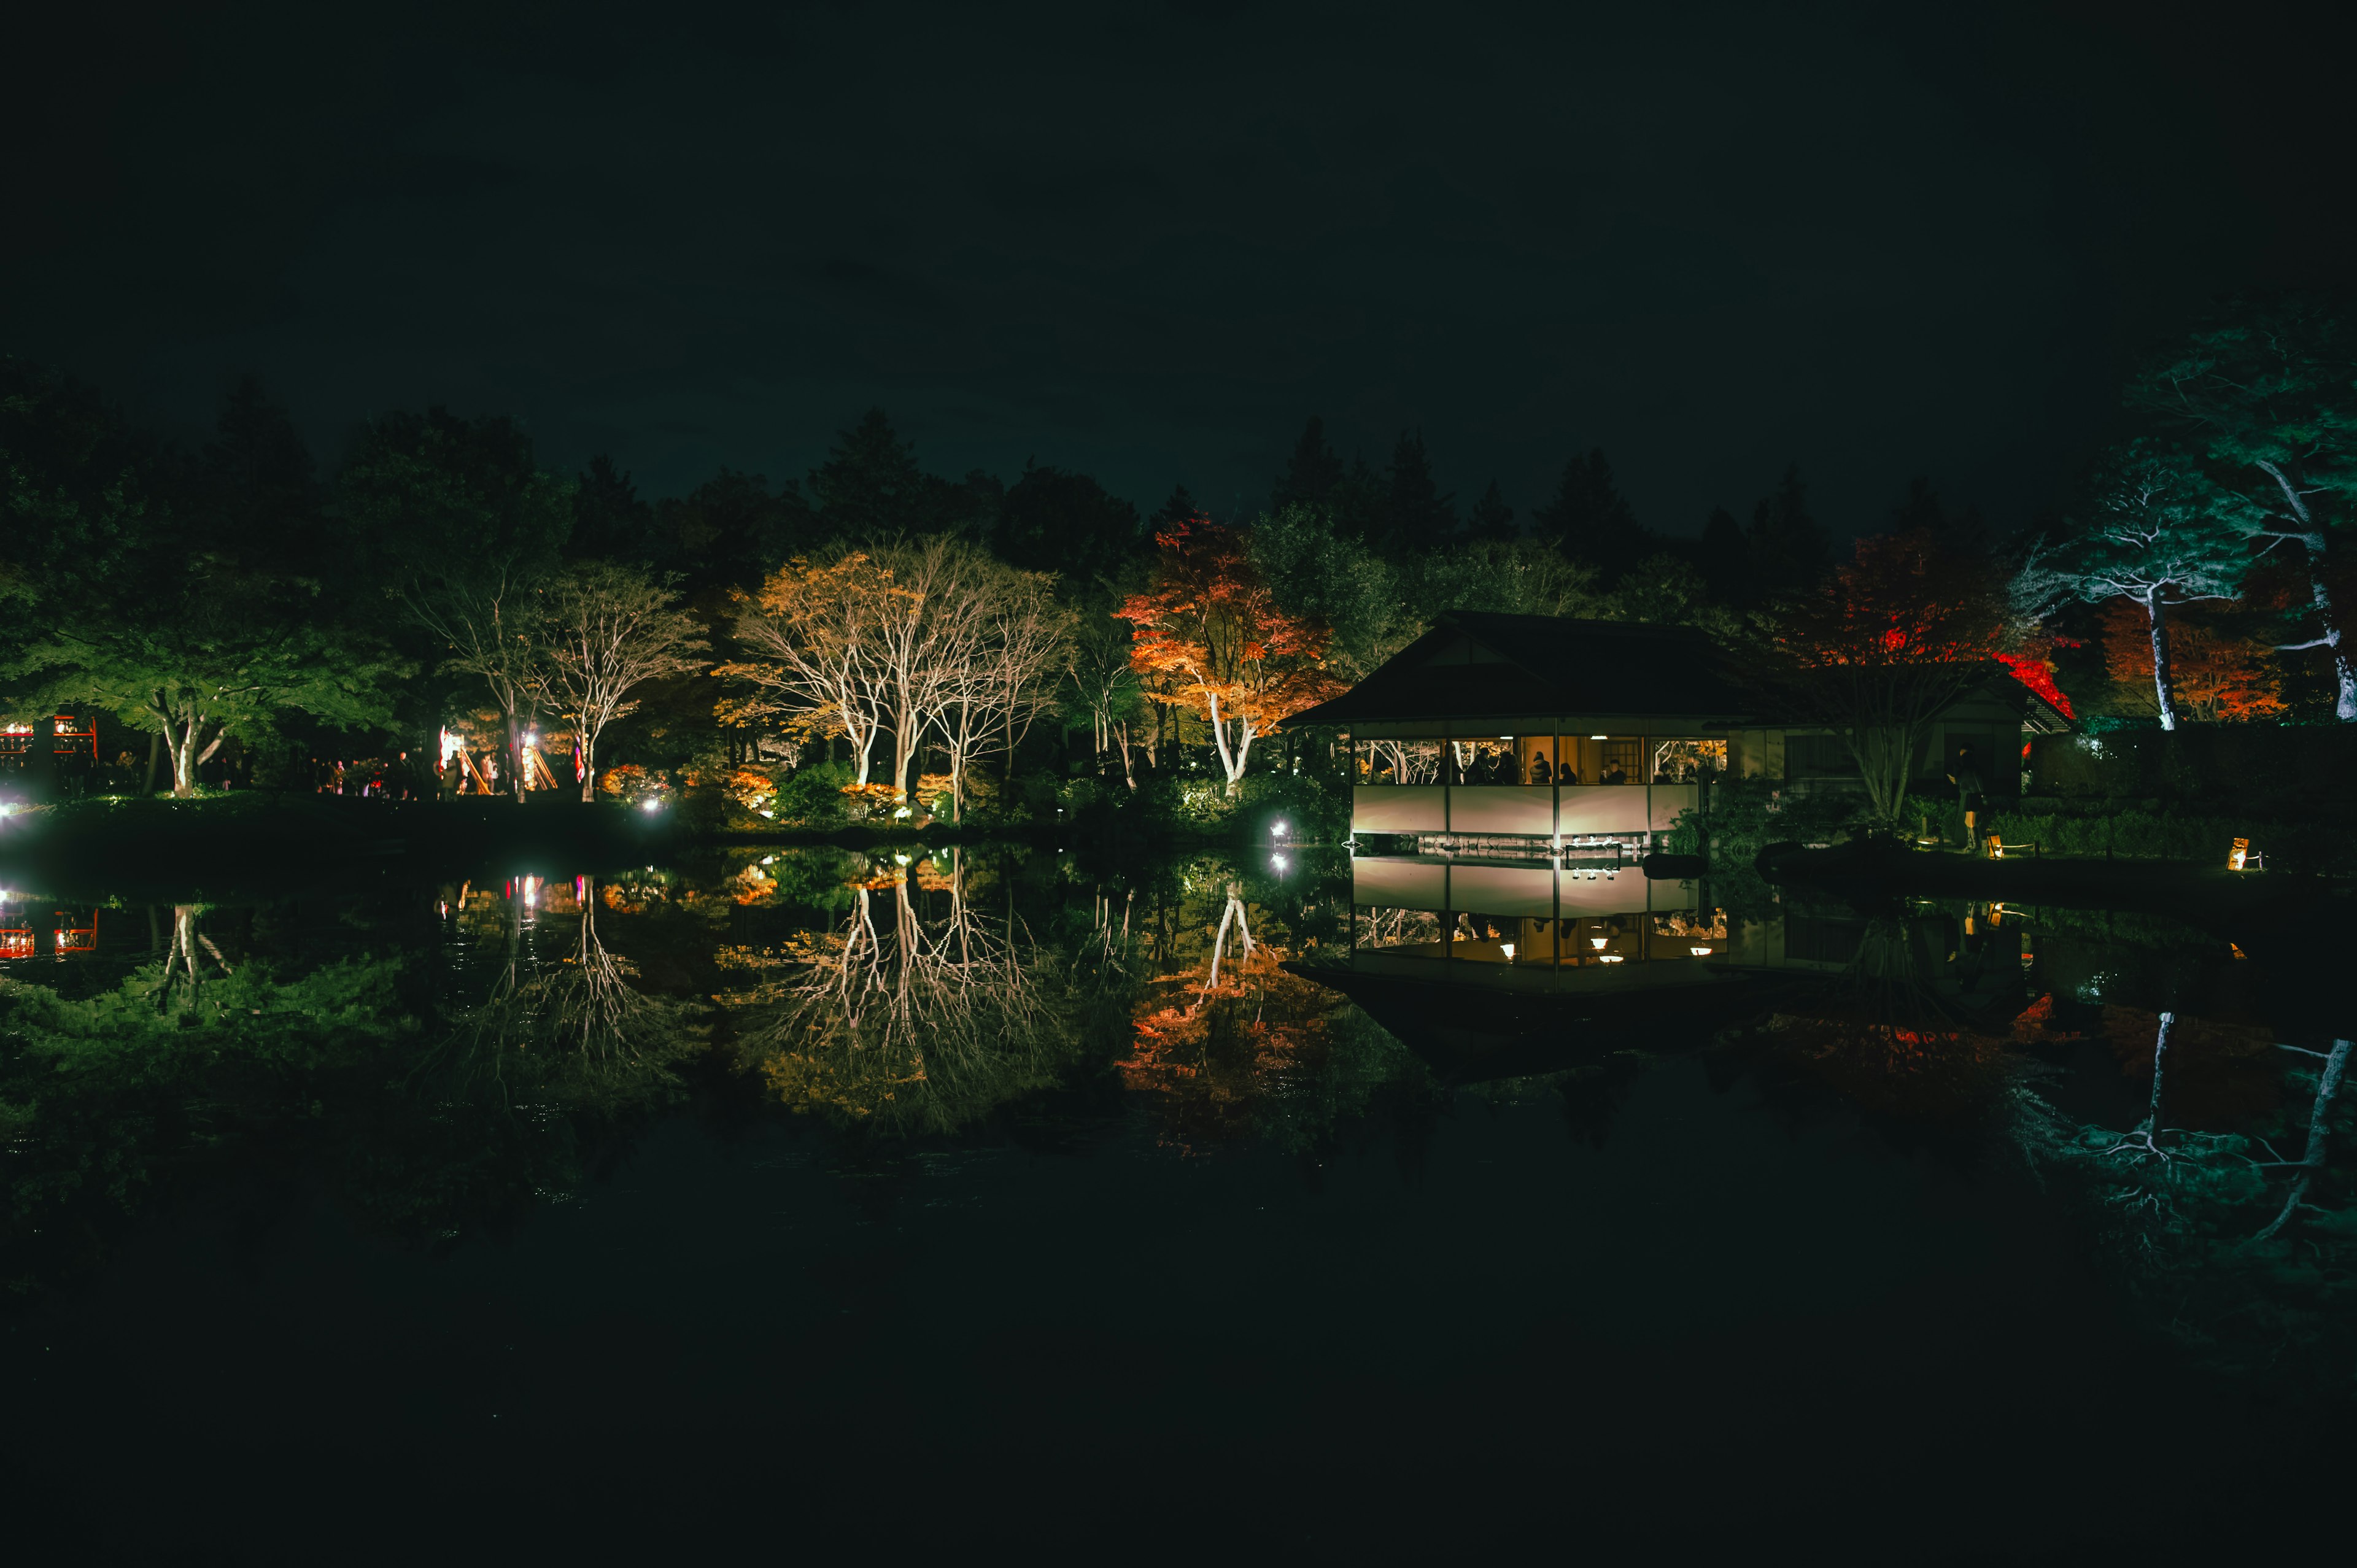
[812, 796]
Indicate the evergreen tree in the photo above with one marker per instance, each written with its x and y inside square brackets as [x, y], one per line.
[1725, 558]
[1176, 509]
[731, 529]
[1416, 518]
[255, 487]
[2270, 393]
[610, 520]
[1492, 518]
[1591, 521]
[1055, 521]
[1312, 472]
[870, 487]
[1788, 549]
[2163, 536]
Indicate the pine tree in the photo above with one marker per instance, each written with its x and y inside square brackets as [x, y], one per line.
[1492, 518]
[1415, 516]
[1788, 549]
[2163, 536]
[1591, 521]
[1312, 472]
[870, 487]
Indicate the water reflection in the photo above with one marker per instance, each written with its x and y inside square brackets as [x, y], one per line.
[580, 1028]
[449, 1059]
[930, 1003]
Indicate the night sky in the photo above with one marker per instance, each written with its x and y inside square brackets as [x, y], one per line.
[1146, 241]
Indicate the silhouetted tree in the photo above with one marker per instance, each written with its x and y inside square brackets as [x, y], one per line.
[1415, 516]
[1725, 557]
[1591, 521]
[610, 519]
[1310, 475]
[1491, 518]
[1788, 551]
[1055, 521]
[870, 487]
[731, 528]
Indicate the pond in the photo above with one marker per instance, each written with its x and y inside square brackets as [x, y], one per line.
[992, 1197]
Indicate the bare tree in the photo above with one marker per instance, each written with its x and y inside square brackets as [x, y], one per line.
[812, 631]
[605, 630]
[486, 620]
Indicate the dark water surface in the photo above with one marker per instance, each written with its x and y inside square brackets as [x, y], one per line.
[829, 1203]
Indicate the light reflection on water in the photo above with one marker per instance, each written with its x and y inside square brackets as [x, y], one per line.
[452, 1058]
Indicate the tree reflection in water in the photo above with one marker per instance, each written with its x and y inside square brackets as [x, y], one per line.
[922, 1011]
[1893, 1034]
[582, 1029]
[1231, 1045]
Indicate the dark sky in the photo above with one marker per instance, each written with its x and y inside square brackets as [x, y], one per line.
[1147, 241]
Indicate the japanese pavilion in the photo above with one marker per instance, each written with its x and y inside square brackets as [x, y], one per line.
[1509, 769]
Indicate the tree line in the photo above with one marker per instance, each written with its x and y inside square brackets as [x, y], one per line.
[229, 594]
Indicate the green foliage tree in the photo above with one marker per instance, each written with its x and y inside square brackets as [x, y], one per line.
[2162, 535]
[197, 624]
[2269, 392]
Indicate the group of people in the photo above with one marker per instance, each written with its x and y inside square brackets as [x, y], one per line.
[1501, 768]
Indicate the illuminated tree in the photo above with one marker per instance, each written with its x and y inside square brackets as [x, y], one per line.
[214, 652]
[929, 637]
[920, 1013]
[605, 631]
[1211, 622]
[2270, 394]
[808, 631]
[1882, 648]
[2162, 536]
[2216, 675]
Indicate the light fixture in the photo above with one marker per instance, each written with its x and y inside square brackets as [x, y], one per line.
[1699, 952]
[651, 805]
[1598, 941]
[1607, 958]
[1508, 949]
[1277, 861]
[1596, 738]
[1278, 830]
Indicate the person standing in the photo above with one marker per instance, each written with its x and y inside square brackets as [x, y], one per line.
[1966, 778]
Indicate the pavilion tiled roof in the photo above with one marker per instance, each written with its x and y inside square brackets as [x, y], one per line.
[1542, 665]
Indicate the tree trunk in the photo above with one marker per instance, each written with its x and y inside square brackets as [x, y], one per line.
[2313, 543]
[2159, 1063]
[2319, 1136]
[2163, 685]
[154, 760]
[588, 765]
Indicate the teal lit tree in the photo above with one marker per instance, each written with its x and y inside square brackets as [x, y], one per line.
[2162, 535]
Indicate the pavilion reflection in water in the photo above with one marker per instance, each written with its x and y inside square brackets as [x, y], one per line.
[1570, 927]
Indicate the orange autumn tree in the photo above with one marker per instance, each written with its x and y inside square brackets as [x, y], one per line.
[2215, 675]
[1211, 625]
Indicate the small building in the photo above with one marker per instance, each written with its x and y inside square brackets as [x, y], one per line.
[1513, 735]
[1508, 770]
